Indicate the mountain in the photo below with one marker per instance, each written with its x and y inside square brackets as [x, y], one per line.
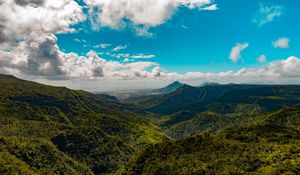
[268, 144]
[46, 129]
[209, 84]
[170, 88]
[229, 129]
[223, 98]
[141, 96]
[193, 110]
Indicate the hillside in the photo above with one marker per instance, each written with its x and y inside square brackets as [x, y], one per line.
[223, 98]
[58, 130]
[233, 129]
[267, 145]
[193, 110]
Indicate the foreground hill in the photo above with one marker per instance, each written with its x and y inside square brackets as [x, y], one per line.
[268, 144]
[55, 130]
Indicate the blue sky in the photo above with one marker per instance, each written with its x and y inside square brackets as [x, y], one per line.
[107, 45]
[198, 40]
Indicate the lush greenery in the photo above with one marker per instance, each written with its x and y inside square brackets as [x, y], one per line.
[267, 145]
[223, 99]
[220, 129]
[61, 131]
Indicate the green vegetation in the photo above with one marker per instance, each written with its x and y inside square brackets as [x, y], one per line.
[223, 99]
[271, 146]
[223, 129]
[53, 130]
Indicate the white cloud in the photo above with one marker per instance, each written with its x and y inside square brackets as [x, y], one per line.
[281, 43]
[120, 55]
[126, 60]
[149, 13]
[267, 14]
[142, 56]
[120, 47]
[235, 53]
[92, 66]
[28, 46]
[127, 55]
[28, 27]
[41, 57]
[262, 58]
[79, 40]
[278, 72]
[28, 19]
[211, 7]
[103, 46]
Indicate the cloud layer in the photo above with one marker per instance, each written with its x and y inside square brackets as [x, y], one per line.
[278, 72]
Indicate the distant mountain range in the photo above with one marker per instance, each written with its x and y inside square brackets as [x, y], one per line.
[212, 129]
[128, 96]
[223, 98]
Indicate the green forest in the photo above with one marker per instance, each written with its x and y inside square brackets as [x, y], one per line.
[215, 129]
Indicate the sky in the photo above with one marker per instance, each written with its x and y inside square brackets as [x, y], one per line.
[109, 45]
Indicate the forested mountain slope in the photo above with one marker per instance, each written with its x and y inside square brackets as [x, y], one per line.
[219, 129]
[58, 130]
[223, 98]
[267, 145]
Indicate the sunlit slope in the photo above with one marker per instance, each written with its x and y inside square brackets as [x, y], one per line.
[43, 126]
[267, 145]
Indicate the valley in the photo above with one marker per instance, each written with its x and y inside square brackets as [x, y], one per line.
[211, 129]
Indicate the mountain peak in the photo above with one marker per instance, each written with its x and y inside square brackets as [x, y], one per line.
[171, 87]
[175, 83]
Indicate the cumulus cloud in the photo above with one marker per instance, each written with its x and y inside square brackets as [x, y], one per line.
[27, 30]
[32, 2]
[145, 13]
[267, 14]
[284, 71]
[281, 71]
[282, 43]
[27, 19]
[28, 46]
[235, 53]
[262, 58]
[92, 66]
